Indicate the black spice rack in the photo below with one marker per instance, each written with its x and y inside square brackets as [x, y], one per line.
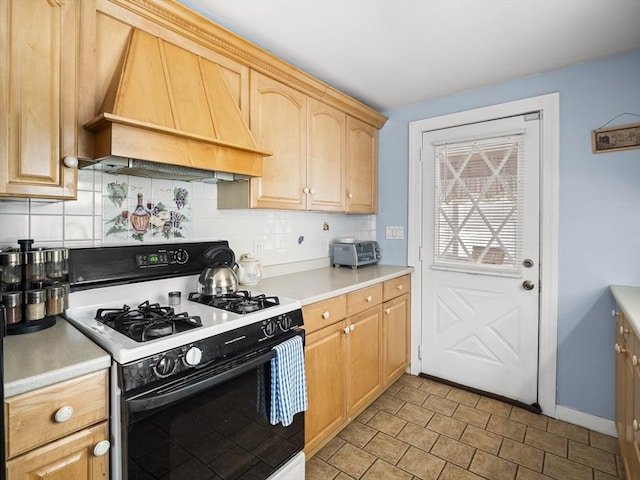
[28, 326]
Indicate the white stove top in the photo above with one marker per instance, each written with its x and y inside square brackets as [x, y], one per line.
[84, 304]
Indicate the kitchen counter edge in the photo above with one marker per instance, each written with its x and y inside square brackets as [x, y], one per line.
[313, 286]
[628, 299]
[50, 356]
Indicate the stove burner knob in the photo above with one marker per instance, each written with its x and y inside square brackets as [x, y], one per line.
[165, 366]
[181, 256]
[193, 356]
[269, 328]
[285, 323]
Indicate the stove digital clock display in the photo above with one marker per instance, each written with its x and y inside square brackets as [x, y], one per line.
[162, 258]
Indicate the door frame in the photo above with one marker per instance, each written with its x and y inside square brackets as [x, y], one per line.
[549, 108]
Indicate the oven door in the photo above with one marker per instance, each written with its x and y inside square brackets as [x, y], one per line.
[210, 424]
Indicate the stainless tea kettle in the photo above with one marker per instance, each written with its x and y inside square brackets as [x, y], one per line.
[219, 278]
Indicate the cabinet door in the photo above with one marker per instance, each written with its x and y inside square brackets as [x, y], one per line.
[620, 372]
[633, 410]
[324, 368]
[362, 167]
[279, 125]
[364, 359]
[395, 328]
[38, 97]
[70, 458]
[326, 167]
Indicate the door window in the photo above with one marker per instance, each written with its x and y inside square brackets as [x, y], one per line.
[478, 192]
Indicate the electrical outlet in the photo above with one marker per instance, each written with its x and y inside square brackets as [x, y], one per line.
[258, 249]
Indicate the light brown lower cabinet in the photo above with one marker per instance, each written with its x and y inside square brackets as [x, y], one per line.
[70, 458]
[59, 432]
[628, 395]
[356, 346]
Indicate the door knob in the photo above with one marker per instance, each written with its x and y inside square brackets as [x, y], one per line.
[528, 285]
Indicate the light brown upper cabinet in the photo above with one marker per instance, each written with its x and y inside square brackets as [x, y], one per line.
[307, 138]
[279, 125]
[326, 150]
[362, 167]
[323, 159]
[38, 97]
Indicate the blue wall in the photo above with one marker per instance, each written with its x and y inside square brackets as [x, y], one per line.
[599, 232]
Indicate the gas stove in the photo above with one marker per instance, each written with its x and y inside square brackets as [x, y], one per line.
[179, 354]
[120, 300]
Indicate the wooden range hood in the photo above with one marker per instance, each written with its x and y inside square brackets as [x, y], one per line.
[170, 106]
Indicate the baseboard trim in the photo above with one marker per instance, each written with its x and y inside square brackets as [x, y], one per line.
[592, 422]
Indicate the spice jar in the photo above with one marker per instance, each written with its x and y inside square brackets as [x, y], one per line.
[56, 263]
[12, 302]
[11, 267]
[55, 299]
[35, 304]
[35, 266]
[67, 291]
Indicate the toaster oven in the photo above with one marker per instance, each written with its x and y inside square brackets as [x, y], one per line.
[355, 254]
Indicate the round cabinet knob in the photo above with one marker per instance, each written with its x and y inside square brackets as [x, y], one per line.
[312, 191]
[635, 425]
[352, 327]
[369, 298]
[346, 330]
[634, 360]
[400, 287]
[101, 448]
[387, 310]
[621, 330]
[193, 356]
[349, 195]
[70, 162]
[305, 190]
[326, 314]
[63, 414]
[619, 348]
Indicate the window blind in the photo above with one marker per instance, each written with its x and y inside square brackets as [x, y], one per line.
[478, 199]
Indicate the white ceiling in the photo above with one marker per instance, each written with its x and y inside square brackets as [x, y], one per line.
[389, 53]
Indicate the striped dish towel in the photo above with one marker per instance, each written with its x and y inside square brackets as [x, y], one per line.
[288, 382]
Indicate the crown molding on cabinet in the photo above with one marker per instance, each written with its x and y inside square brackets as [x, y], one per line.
[182, 20]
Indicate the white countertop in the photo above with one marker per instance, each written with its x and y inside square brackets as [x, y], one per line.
[39, 359]
[315, 285]
[62, 352]
[628, 299]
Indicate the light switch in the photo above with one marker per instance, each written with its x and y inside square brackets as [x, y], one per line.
[394, 233]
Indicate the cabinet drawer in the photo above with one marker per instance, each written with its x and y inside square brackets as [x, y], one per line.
[396, 287]
[324, 313]
[360, 300]
[31, 417]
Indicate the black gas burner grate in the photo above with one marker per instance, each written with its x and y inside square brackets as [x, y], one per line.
[147, 322]
[241, 302]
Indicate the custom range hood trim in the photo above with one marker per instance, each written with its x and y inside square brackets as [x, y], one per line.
[171, 106]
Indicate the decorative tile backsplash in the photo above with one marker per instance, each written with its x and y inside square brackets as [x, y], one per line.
[121, 209]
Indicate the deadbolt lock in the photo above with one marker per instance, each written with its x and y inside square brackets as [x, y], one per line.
[527, 262]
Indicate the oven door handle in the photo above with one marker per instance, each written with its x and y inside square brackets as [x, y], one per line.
[151, 401]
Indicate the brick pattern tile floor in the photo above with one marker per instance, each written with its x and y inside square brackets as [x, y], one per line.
[421, 429]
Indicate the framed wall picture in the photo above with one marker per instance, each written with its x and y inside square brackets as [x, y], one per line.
[623, 137]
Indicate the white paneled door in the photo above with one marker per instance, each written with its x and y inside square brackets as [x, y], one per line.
[480, 250]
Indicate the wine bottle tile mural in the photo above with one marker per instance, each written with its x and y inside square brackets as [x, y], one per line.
[142, 209]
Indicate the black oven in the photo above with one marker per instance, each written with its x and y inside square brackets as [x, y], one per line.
[211, 422]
